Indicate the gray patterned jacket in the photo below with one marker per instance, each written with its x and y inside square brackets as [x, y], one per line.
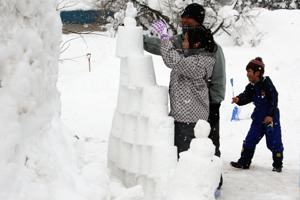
[188, 83]
[217, 86]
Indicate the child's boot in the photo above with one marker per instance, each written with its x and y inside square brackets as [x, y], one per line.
[277, 161]
[245, 159]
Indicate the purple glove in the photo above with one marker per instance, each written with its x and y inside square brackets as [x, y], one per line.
[160, 28]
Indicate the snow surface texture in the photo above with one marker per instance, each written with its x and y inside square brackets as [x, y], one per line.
[38, 160]
[49, 171]
[65, 5]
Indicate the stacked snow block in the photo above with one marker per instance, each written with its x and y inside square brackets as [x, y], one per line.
[141, 145]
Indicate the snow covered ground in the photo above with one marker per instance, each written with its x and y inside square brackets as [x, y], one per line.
[89, 99]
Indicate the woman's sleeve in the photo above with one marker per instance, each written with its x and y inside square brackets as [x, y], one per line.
[152, 45]
[192, 66]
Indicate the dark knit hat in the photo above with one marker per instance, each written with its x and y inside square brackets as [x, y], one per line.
[194, 11]
[256, 65]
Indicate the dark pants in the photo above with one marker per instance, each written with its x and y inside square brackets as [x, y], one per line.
[272, 134]
[184, 133]
[273, 139]
[214, 121]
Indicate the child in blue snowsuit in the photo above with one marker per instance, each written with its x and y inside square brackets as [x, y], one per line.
[265, 117]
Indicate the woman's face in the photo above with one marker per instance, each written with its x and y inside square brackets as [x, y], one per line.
[186, 21]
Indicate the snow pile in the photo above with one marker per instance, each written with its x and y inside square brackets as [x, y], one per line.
[66, 5]
[198, 172]
[37, 157]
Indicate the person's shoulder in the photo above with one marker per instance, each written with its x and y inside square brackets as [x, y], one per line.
[267, 80]
[218, 48]
[250, 86]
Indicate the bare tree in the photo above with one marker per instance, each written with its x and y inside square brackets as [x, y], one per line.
[147, 15]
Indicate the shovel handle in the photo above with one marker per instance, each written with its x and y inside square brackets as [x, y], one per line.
[231, 82]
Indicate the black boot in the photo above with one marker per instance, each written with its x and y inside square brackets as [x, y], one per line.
[239, 165]
[245, 159]
[277, 161]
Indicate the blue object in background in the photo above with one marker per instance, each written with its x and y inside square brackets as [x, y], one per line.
[84, 16]
[79, 16]
[235, 113]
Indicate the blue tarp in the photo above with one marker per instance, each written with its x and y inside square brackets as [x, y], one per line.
[80, 16]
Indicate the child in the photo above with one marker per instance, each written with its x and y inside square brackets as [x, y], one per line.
[188, 88]
[265, 117]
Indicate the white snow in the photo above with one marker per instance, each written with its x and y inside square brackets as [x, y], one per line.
[43, 159]
[67, 5]
[202, 129]
[38, 158]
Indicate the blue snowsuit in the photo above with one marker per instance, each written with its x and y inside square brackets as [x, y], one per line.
[265, 98]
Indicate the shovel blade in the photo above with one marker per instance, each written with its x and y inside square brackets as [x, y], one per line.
[235, 114]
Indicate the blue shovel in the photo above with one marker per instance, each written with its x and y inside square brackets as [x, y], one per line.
[235, 111]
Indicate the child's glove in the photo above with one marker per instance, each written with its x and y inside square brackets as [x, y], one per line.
[160, 28]
[268, 121]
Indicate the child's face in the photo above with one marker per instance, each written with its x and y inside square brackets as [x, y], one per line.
[253, 77]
